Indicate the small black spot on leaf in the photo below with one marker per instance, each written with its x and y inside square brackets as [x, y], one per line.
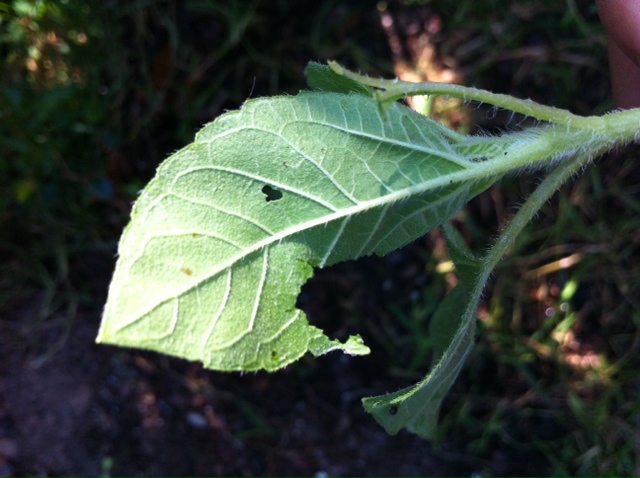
[272, 194]
[393, 409]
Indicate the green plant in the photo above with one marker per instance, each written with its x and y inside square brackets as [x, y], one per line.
[231, 227]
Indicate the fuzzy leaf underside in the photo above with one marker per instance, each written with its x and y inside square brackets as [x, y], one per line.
[222, 239]
[452, 331]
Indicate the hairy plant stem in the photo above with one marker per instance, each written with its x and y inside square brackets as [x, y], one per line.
[621, 125]
[546, 189]
[527, 211]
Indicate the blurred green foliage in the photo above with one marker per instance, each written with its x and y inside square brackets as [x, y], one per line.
[55, 193]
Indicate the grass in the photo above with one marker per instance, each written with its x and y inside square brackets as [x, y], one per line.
[53, 198]
[84, 125]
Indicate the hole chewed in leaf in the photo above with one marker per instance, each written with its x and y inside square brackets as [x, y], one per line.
[272, 194]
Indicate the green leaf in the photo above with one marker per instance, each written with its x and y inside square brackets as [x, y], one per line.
[222, 239]
[323, 78]
[417, 407]
[452, 330]
[468, 266]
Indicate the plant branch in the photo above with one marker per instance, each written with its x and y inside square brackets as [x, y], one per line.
[397, 89]
[529, 209]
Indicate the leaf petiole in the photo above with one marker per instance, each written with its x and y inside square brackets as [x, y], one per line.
[393, 90]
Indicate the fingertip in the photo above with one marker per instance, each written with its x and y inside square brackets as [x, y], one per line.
[621, 19]
[625, 78]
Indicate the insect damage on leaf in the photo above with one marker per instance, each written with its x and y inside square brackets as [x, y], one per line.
[271, 194]
[354, 184]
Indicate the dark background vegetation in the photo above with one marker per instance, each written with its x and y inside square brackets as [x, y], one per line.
[95, 94]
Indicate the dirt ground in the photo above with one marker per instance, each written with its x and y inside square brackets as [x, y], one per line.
[94, 410]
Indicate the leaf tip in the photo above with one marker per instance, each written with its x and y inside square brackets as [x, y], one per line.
[335, 67]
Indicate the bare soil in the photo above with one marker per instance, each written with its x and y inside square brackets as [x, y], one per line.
[93, 410]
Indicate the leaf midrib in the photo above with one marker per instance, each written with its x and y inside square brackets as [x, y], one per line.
[471, 171]
[453, 157]
[441, 181]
